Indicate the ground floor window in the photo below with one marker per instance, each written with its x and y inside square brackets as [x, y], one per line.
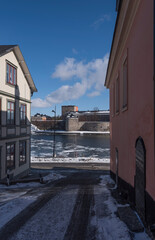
[10, 155]
[22, 152]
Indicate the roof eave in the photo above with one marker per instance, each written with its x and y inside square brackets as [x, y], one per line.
[24, 68]
[107, 78]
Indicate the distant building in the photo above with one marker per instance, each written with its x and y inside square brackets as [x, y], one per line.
[130, 78]
[40, 117]
[87, 121]
[16, 88]
[68, 108]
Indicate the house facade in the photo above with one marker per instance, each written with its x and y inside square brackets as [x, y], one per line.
[16, 88]
[130, 78]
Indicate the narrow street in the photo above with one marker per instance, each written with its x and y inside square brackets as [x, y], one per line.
[77, 207]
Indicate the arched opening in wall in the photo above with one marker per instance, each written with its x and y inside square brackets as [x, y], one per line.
[140, 177]
[116, 158]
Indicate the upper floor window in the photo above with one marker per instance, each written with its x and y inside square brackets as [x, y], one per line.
[11, 74]
[11, 113]
[117, 95]
[23, 113]
[113, 100]
[125, 83]
[10, 155]
[22, 152]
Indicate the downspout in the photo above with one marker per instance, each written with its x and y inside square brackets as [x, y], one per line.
[154, 70]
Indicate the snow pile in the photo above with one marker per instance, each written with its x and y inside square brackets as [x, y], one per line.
[52, 177]
[69, 160]
[34, 128]
[107, 224]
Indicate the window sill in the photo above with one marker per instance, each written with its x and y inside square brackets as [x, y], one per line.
[10, 125]
[23, 125]
[11, 84]
[21, 164]
[117, 113]
[10, 168]
[124, 108]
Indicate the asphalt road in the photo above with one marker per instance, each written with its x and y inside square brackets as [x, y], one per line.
[77, 207]
[88, 166]
[68, 202]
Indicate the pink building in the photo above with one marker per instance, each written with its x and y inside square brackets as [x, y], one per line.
[130, 78]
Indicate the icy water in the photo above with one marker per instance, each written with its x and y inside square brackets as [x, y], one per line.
[70, 145]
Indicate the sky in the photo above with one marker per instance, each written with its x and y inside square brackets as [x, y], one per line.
[66, 45]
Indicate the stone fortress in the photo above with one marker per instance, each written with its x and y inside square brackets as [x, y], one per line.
[74, 120]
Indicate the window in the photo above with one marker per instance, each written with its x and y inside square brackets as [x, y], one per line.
[11, 113]
[125, 84]
[113, 100]
[11, 74]
[23, 114]
[22, 152]
[10, 155]
[117, 95]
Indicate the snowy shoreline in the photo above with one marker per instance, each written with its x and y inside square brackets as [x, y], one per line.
[70, 132]
[34, 129]
[69, 160]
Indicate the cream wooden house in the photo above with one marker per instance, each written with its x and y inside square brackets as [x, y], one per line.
[16, 88]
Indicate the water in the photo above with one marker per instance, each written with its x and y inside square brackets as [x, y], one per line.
[97, 146]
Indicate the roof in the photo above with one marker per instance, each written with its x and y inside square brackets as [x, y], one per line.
[4, 49]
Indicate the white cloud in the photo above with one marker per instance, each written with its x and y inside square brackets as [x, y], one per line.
[85, 76]
[66, 93]
[93, 94]
[39, 103]
[101, 20]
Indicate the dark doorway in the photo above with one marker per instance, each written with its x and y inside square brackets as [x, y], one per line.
[140, 178]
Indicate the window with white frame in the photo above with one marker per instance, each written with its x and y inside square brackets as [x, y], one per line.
[11, 74]
[10, 155]
[125, 83]
[10, 112]
[22, 152]
[23, 113]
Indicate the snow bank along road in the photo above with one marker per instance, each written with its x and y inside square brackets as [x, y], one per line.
[78, 207]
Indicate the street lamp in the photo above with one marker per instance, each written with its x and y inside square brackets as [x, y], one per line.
[54, 111]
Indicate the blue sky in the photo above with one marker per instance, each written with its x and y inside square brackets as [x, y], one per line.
[66, 45]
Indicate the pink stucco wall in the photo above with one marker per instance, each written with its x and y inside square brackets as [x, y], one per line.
[138, 119]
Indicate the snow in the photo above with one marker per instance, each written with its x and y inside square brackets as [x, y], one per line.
[52, 220]
[34, 130]
[107, 224]
[15, 206]
[69, 160]
[15, 198]
[21, 185]
[52, 177]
